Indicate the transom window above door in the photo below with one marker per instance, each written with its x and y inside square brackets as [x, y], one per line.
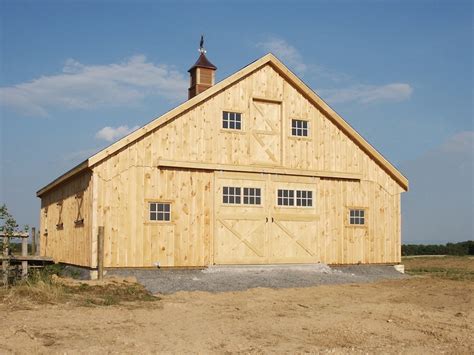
[299, 128]
[233, 195]
[231, 120]
[252, 196]
[304, 198]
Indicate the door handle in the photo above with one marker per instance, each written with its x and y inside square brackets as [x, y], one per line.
[266, 219]
[272, 219]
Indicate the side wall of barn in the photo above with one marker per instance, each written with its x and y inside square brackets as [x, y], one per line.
[126, 184]
[66, 221]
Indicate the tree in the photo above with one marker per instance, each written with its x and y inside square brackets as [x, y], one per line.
[8, 227]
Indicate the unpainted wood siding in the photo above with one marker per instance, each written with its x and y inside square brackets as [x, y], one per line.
[269, 233]
[126, 183]
[70, 242]
[198, 136]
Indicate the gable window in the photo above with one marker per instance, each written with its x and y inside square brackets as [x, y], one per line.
[252, 196]
[231, 120]
[357, 217]
[286, 197]
[299, 128]
[231, 195]
[160, 211]
[304, 198]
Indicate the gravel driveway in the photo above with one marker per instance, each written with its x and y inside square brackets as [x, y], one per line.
[237, 278]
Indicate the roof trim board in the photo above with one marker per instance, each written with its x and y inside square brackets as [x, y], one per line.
[255, 169]
[187, 105]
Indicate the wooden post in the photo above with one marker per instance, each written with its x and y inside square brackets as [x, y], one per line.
[33, 241]
[5, 261]
[100, 252]
[24, 252]
[38, 242]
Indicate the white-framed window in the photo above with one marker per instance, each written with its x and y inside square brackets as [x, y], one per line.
[231, 195]
[304, 198]
[357, 216]
[236, 195]
[160, 211]
[231, 120]
[286, 197]
[295, 198]
[299, 128]
[252, 196]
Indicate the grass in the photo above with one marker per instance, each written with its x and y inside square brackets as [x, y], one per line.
[459, 268]
[45, 287]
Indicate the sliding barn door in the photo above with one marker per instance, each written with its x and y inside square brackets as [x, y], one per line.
[263, 231]
[240, 228]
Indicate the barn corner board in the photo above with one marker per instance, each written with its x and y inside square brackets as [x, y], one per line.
[254, 169]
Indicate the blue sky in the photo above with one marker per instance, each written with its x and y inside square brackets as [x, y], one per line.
[76, 75]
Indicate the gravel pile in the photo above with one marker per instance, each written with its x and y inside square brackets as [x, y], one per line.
[237, 278]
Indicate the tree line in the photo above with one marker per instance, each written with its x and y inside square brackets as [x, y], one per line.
[461, 248]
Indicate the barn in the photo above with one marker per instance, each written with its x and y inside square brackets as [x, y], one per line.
[255, 169]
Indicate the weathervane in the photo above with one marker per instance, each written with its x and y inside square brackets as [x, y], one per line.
[201, 45]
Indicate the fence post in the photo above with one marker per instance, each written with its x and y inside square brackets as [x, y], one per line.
[100, 252]
[5, 261]
[33, 241]
[38, 242]
[24, 252]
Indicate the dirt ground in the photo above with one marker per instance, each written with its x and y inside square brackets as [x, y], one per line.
[416, 315]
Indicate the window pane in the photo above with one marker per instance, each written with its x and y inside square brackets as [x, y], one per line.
[152, 206]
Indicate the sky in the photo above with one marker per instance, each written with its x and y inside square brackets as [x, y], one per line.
[77, 75]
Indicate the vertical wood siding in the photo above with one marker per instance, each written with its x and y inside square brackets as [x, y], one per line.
[129, 179]
[70, 243]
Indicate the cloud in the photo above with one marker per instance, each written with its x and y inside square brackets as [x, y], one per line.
[110, 134]
[369, 93]
[462, 142]
[355, 93]
[86, 87]
[285, 51]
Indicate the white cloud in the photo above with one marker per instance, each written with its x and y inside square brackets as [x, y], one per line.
[284, 51]
[462, 142]
[86, 87]
[110, 134]
[369, 93]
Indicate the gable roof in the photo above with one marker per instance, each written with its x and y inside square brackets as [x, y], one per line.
[213, 90]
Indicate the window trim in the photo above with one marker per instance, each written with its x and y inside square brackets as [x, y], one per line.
[295, 203]
[242, 204]
[158, 200]
[308, 122]
[347, 217]
[232, 130]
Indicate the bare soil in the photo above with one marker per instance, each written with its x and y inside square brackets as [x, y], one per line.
[416, 315]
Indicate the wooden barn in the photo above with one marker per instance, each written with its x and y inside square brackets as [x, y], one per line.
[256, 169]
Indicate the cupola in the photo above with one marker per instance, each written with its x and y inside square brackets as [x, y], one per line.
[202, 73]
